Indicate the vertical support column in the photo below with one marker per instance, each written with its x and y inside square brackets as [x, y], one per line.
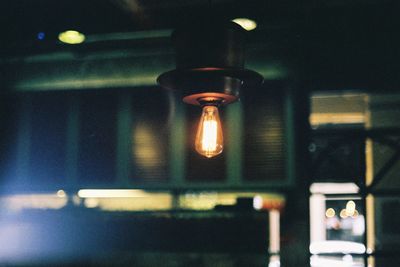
[370, 228]
[72, 144]
[317, 218]
[233, 144]
[274, 237]
[370, 201]
[369, 177]
[177, 144]
[290, 137]
[274, 231]
[296, 223]
[364, 197]
[124, 140]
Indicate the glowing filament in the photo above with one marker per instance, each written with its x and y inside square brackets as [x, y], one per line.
[209, 139]
[209, 142]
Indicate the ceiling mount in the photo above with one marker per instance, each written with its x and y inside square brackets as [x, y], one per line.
[209, 61]
[209, 72]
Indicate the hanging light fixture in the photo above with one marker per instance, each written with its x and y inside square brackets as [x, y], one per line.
[210, 73]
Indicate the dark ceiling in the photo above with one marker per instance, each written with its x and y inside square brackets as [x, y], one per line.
[319, 37]
[22, 20]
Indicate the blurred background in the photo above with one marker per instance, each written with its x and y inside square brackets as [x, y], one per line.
[97, 164]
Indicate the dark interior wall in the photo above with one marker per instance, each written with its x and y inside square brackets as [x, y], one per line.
[306, 45]
[143, 137]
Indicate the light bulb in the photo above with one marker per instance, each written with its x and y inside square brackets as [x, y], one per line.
[209, 139]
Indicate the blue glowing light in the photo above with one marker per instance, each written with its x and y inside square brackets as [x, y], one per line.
[41, 35]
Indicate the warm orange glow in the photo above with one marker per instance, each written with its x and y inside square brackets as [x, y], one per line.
[209, 138]
[337, 118]
[343, 214]
[355, 215]
[61, 193]
[330, 213]
[20, 202]
[350, 208]
[209, 200]
[144, 146]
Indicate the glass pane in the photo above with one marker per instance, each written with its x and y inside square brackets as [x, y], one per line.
[345, 220]
[387, 221]
[385, 261]
[383, 151]
[337, 159]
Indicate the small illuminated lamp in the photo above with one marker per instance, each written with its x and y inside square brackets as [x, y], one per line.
[245, 23]
[209, 73]
[71, 37]
[61, 193]
[343, 214]
[350, 208]
[355, 215]
[330, 213]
